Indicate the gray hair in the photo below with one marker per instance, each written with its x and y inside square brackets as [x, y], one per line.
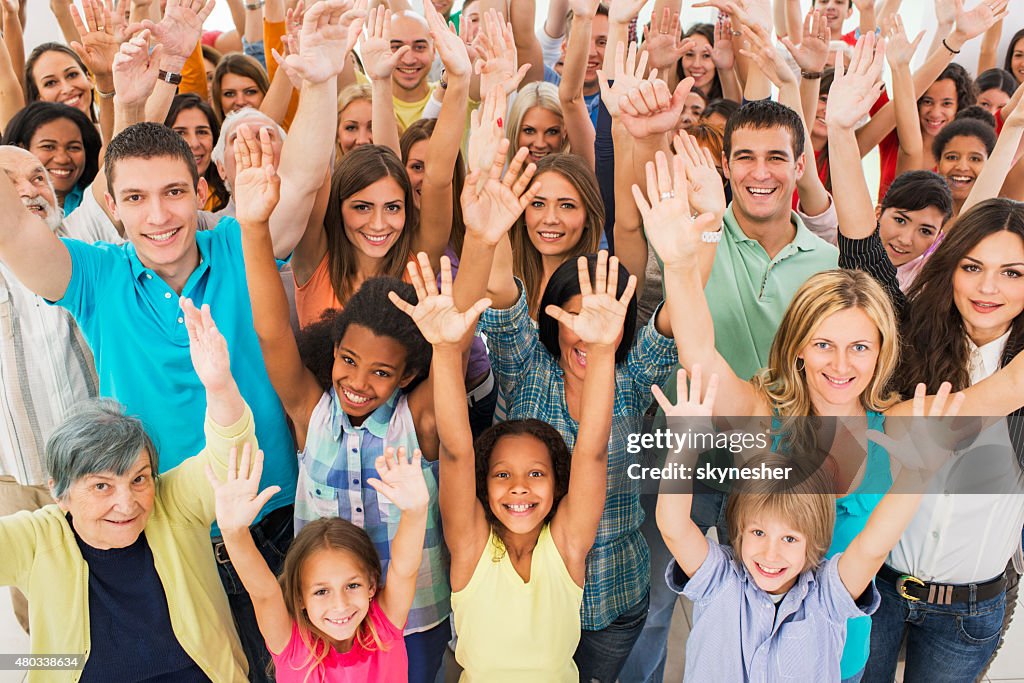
[96, 436]
[231, 122]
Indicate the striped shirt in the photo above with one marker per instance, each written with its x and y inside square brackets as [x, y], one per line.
[333, 470]
[45, 368]
[740, 635]
[618, 566]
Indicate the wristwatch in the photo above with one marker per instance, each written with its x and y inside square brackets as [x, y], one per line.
[258, 4]
[168, 77]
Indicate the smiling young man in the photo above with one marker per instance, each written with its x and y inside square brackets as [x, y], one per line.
[410, 88]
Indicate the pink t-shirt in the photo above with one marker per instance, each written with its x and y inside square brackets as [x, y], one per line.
[389, 664]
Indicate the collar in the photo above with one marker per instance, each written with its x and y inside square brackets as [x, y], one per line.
[376, 422]
[985, 358]
[794, 596]
[804, 240]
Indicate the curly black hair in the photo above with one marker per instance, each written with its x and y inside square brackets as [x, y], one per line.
[543, 432]
[371, 308]
[316, 349]
[966, 91]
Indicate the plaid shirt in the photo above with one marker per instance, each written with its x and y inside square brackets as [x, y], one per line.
[333, 470]
[618, 566]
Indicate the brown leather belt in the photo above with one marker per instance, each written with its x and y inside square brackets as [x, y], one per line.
[914, 589]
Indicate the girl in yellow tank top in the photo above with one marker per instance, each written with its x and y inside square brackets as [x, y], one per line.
[518, 526]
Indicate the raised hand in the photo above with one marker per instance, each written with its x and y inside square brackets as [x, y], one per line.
[853, 92]
[925, 445]
[491, 204]
[401, 479]
[435, 314]
[207, 346]
[812, 53]
[586, 9]
[722, 51]
[675, 236]
[135, 70]
[239, 498]
[257, 187]
[749, 12]
[704, 188]
[624, 11]
[291, 41]
[690, 403]
[181, 26]
[663, 43]
[102, 33]
[498, 63]
[449, 46]
[486, 130]
[650, 109]
[898, 50]
[945, 12]
[379, 62]
[629, 73]
[599, 322]
[971, 24]
[328, 34]
[767, 58]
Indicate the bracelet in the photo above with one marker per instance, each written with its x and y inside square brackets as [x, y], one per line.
[443, 81]
[168, 77]
[811, 75]
[105, 95]
[711, 236]
[946, 45]
[255, 5]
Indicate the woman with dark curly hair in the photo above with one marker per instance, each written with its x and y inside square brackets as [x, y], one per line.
[65, 141]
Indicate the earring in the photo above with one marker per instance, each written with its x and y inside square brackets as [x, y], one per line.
[799, 364]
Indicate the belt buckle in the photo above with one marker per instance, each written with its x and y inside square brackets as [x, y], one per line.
[901, 586]
[220, 553]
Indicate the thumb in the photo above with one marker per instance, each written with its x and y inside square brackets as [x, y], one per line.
[266, 495]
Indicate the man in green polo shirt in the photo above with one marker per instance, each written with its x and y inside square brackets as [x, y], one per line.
[765, 254]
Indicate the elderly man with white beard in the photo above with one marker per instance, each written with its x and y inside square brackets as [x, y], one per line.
[45, 365]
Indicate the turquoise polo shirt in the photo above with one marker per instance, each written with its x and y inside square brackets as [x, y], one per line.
[132, 321]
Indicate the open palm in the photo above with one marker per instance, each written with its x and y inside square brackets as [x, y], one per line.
[601, 315]
[400, 479]
[238, 498]
[434, 313]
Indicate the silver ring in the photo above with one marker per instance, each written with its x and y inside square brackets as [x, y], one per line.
[737, 33]
[667, 195]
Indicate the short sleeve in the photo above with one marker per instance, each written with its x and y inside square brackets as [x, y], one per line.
[834, 596]
[652, 357]
[90, 265]
[826, 224]
[718, 572]
[550, 47]
[511, 338]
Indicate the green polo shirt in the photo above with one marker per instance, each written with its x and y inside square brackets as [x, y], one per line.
[748, 292]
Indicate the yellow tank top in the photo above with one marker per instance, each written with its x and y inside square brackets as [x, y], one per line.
[513, 631]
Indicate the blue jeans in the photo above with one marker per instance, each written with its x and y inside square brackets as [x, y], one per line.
[945, 643]
[646, 664]
[272, 535]
[601, 654]
[426, 651]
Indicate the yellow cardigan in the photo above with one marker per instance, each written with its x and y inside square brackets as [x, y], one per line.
[42, 559]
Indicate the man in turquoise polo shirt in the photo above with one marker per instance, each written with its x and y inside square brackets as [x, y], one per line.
[765, 254]
[125, 298]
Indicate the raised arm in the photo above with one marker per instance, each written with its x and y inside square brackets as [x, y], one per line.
[61, 10]
[852, 94]
[491, 204]
[497, 64]
[621, 14]
[401, 482]
[578, 126]
[810, 55]
[898, 52]
[102, 33]
[724, 58]
[12, 95]
[528, 49]
[682, 536]
[257, 191]
[443, 146]
[988, 56]
[448, 331]
[598, 325]
[379, 63]
[678, 240]
[997, 168]
[327, 37]
[14, 38]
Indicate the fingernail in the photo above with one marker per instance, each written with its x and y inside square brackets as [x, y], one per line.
[500, 122]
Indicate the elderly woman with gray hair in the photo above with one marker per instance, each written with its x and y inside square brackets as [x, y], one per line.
[120, 571]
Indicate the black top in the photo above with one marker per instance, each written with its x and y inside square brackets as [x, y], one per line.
[129, 622]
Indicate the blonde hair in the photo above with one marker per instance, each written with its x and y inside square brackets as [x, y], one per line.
[354, 93]
[783, 384]
[527, 263]
[803, 500]
[538, 94]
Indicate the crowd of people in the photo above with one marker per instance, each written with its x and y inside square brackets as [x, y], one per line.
[325, 341]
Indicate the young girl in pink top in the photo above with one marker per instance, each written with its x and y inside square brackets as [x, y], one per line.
[329, 619]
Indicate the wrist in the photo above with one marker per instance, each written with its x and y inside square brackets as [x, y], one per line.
[172, 63]
[104, 82]
[233, 533]
[955, 40]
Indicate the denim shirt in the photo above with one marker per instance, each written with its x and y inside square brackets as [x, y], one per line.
[739, 635]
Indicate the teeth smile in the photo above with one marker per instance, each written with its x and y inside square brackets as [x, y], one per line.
[769, 570]
[521, 507]
[839, 382]
[763, 191]
[355, 398]
[581, 356]
[961, 178]
[376, 239]
[339, 622]
[163, 236]
[60, 172]
[898, 250]
[551, 235]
